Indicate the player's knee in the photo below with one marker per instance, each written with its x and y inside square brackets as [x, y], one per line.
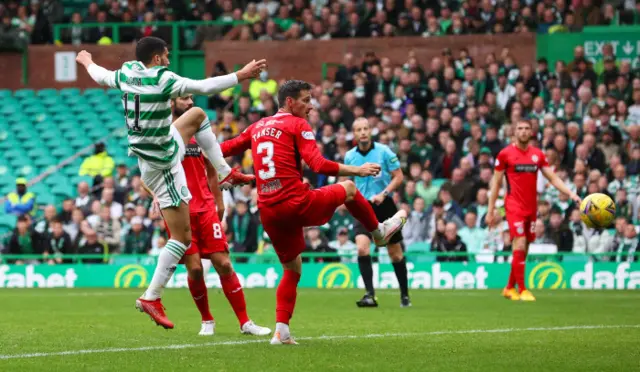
[364, 247]
[198, 114]
[195, 272]
[395, 253]
[223, 267]
[350, 188]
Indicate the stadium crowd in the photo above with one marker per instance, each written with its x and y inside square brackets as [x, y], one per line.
[446, 121]
[31, 21]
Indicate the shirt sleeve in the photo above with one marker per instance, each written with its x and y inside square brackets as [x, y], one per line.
[239, 144]
[542, 162]
[501, 161]
[391, 160]
[181, 86]
[306, 142]
[103, 76]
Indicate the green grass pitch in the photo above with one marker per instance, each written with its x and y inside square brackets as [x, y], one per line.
[99, 330]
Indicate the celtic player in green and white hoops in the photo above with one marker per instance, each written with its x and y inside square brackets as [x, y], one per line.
[147, 89]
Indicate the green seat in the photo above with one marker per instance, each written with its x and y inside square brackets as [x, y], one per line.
[38, 153]
[437, 182]
[8, 221]
[69, 92]
[24, 93]
[94, 92]
[62, 152]
[30, 101]
[75, 179]
[41, 117]
[114, 93]
[71, 171]
[55, 179]
[81, 108]
[49, 134]
[36, 143]
[45, 199]
[49, 92]
[63, 189]
[24, 136]
[9, 143]
[54, 101]
[79, 143]
[39, 188]
[72, 101]
[44, 162]
[8, 109]
[12, 154]
[34, 110]
[27, 171]
[20, 161]
[5, 94]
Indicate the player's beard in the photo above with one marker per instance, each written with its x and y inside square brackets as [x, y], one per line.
[178, 112]
[523, 143]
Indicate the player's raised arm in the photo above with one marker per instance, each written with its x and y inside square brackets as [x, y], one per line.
[237, 145]
[559, 184]
[99, 74]
[219, 83]
[306, 141]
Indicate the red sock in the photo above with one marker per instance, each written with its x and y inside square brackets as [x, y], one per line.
[362, 211]
[517, 268]
[286, 296]
[512, 278]
[198, 290]
[233, 290]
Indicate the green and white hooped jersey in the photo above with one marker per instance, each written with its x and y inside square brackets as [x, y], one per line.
[146, 99]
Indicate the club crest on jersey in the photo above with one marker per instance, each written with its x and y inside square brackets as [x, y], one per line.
[308, 136]
[534, 158]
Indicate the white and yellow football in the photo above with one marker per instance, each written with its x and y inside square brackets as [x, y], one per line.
[598, 211]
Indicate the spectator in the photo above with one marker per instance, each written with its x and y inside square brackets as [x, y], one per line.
[346, 248]
[243, 229]
[107, 200]
[138, 240]
[425, 189]
[44, 226]
[74, 226]
[471, 235]
[257, 86]
[542, 237]
[59, 243]
[459, 188]
[581, 233]
[20, 201]
[84, 199]
[316, 242]
[416, 228]
[341, 219]
[450, 205]
[26, 241]
[67, 210]
[629, 245]
[98, 164]
[108, 230]
[91, 246]
[451, 244]
[559, 231]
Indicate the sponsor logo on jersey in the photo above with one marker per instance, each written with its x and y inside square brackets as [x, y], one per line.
[271, 186]
[526, 168]
[308, 136]
[192, 150]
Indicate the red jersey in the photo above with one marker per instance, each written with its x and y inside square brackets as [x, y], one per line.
[521, 171]
[194, 169]
[278, 145]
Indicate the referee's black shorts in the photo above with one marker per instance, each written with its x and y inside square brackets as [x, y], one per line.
[385, 210]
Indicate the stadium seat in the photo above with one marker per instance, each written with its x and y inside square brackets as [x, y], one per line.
[69, 92]
[62, 152]
[45, 199]
[5, 94]
[419, 247]
[12, 154]
[8, 221]
[49, 92]
[75, 180]
[94, 92]
[27, 171]
[34, 110]
[437, 182]
[64, 189]
[23, 93]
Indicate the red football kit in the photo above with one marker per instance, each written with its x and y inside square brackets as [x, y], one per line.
[521, 172]
[278, 145]
[207, 236]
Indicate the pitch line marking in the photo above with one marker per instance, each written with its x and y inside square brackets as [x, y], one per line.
[335, 337]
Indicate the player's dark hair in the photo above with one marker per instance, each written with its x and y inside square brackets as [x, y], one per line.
[291, 88]
[148, 47]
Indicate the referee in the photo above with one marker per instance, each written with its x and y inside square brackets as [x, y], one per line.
[377, 189]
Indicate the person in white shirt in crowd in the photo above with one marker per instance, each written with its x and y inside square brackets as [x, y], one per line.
[472, 235]
[416, 229]
[107, 200]
[347, 249]
[84, 199]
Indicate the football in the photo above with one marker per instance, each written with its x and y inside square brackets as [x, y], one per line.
[598, 211]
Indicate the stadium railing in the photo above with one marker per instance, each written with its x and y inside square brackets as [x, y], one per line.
[109, 258]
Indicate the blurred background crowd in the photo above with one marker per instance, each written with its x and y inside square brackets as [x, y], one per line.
[446, 118]
[32, 21]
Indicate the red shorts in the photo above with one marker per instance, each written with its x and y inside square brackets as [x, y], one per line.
[207, 236]
[522, 225]
[284, 222]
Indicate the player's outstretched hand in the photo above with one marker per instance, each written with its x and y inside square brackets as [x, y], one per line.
[377, 199]
[369, 169]
[252, 69]
[84, 58]
[489, 219]
[575, 198]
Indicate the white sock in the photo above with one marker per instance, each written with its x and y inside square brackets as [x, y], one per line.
[377, 233]
[208, 143]
[167, 262]
[283, 329]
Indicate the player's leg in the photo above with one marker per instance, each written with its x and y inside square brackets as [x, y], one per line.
[198, 289]
[363, 243]
[286, 299]
[525, 294]
[195, 122]
[165, 185]
[518, 247]
[400, 268]
[361, 210]
[234, 293]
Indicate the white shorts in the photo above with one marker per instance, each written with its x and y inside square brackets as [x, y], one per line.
[169, 185]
